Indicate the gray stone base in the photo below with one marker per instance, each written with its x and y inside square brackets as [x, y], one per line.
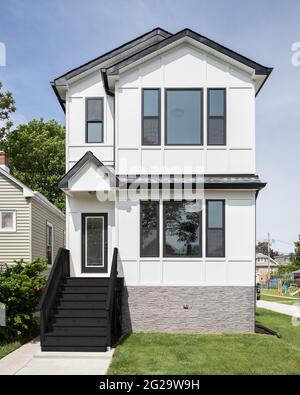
[188, 309]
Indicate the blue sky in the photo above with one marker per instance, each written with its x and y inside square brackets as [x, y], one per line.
[46, 38]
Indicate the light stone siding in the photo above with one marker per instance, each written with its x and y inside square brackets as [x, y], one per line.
[188, 309]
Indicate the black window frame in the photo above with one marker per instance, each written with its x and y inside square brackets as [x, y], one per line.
[87, 99]
[224, 117]
[91, 269]
[200, 255]
[158, 227]
[201, 118]
[158, 117]
[223, 229]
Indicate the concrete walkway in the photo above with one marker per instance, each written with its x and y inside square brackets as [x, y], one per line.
[29, 360]
[292, 310]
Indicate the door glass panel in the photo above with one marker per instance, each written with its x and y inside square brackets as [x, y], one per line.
[94, 241]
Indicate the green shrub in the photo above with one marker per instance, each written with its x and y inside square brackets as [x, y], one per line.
[20, 290]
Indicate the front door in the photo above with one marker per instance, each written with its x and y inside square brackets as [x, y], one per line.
[94, 243]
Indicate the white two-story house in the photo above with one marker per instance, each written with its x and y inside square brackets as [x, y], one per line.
[161, 183]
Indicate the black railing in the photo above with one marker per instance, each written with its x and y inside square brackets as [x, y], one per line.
[114, 304]
[60, 269]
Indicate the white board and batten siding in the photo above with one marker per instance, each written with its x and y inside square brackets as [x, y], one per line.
[237, 268]
[186, 67]
[14, 245]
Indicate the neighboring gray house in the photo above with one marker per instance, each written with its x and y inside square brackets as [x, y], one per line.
[30, 226]
[283, 259]
[262, 267]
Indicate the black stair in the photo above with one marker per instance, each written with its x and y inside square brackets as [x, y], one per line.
[78, 321]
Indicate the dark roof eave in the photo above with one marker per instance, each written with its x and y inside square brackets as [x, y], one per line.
[88, 156]
[60, 100]
[259, 69]
[108, 55]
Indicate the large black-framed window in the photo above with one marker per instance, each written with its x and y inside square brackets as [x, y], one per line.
[215, 228]
[94, 120]
[216, 116]
[184, 116]
[182, 228]
[151, 116]
[149, 228]
[94, 228]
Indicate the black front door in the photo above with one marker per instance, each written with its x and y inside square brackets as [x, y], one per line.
[94, 243]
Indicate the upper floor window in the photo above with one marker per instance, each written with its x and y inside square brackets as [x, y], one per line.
[183, 117]
[94, 120]
[216, 116]
[151, 117]
[7, 221]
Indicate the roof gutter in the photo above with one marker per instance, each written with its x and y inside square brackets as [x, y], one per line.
[105, 83]
[61, 101]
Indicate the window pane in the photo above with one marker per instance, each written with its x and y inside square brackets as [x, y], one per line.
[151, 131]
[182, 225]
[216, 102]
[215, 214]
[151, 102]
[149, 229]
[215, 232]
[94, 110]
[215, 243]
[184, 117]
[94, 241]
[7, 220]
[94, 132]
[216, 131]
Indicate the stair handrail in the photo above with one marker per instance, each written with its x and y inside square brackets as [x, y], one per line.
[59, 270]
[111, 298]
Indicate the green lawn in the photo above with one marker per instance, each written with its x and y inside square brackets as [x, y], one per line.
[279, 300]
[157, 353]
[6, 348]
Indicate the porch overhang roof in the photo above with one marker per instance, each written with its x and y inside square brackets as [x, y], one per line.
[207, 181]
[88, 157]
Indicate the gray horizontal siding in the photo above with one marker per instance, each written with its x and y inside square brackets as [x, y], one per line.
[14, 245]
[40, 216]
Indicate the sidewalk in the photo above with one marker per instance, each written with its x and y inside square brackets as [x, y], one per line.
[29, 360]
[292, 310]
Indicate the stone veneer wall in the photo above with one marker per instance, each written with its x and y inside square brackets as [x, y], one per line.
[188, 309]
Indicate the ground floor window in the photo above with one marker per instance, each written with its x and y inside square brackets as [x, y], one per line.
[49, 243]
[7, 221]
[215, 228]
[149, 229]
[182, 228]
[94, 243]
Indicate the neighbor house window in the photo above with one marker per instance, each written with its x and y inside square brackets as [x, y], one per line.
[149, 229]
[182, 228]
[151, 116]
[49, 243]
[183, 117]
[7, 221]
[94, 120]
[215, 228]
[216, 116]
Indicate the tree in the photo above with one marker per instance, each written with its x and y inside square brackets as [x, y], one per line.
[36, 153]
[7, 106]
[262, 247]
[295, 256]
